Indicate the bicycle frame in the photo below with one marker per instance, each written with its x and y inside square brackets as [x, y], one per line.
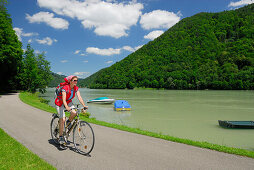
[66, 132]
[74, 123]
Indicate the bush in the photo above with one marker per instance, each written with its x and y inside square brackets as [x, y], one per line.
[42, 100]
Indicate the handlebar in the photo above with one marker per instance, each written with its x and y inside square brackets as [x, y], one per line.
[85, 108]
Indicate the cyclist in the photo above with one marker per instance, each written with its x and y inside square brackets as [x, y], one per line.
[64, 101]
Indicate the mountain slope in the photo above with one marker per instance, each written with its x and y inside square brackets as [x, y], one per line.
[56, 79]
[205, 51]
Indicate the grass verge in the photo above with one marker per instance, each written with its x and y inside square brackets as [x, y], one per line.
[24, 96]
[34, 100]
[14, 155]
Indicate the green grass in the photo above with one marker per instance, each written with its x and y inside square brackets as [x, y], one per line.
[34, 100]
[13, 155]
[36, 103]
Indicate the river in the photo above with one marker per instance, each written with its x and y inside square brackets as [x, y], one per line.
[180, 113]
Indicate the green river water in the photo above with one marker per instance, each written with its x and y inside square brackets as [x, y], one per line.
[181, 113]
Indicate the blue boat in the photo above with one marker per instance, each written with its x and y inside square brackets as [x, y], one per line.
[105, 100]
[122, 105]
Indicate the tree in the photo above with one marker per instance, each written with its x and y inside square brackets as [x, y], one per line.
[44, 72]
[10, 51]
[36, 71]
[29, 78]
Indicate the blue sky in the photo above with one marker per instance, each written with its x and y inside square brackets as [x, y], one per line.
[80, 37]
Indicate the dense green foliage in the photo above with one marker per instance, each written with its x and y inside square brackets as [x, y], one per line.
[19, 71]
[205, 51]
[35, 72]
[10, 51]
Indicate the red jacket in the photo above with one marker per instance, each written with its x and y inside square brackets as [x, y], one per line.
[67, 88]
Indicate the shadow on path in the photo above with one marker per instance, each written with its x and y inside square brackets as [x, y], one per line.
[8, 93]
[72, 148]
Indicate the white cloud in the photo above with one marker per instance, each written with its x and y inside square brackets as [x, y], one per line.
[60, 73]
[128, 48]
[159, 19]
[82, 54]
[77, 51]
[104, 52]
[46, 40]
[20, 33]
[110, 51]
[82, 74]
[108, 62]
[240, 3]
[49, 19]
[64, 61]
[85, 61]
[29, 34]
[107, 18]
[30, 40]
[154, 34]
[37, 52]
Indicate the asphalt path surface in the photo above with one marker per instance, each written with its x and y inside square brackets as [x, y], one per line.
[114, 149]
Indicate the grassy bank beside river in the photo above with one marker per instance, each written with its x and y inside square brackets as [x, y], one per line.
[33, 100]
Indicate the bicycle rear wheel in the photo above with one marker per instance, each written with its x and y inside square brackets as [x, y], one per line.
[54, 128]
[83, 137]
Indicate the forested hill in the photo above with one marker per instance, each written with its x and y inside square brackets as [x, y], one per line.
[205, 51]
[57, 79]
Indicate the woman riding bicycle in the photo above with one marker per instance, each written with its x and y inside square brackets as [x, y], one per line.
[64, 101]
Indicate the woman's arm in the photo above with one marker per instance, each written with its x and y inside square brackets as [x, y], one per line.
[81, 100]
[64, 101]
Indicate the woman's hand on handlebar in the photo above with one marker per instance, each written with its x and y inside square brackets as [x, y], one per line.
[84, 109]
[68, 109]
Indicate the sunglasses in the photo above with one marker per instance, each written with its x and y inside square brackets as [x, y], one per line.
[75, 80]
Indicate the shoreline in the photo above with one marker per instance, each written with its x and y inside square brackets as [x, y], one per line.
[33, 100]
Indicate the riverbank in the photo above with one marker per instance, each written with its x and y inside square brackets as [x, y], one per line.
[33, 100]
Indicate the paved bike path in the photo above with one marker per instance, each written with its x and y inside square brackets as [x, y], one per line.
[114, 149]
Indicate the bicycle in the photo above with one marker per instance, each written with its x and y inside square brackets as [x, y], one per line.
[83, 135]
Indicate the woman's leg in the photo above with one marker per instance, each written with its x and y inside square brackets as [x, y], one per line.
[73, 112]
[61, 114]
[61, 126]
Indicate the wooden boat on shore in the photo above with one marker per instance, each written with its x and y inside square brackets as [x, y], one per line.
[102, 100]
[237, 124]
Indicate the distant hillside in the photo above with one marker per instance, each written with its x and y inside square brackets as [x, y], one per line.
[205, 51]
[56, 79]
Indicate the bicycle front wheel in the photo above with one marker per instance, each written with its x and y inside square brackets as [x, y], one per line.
[54, 128]
[83, 137]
